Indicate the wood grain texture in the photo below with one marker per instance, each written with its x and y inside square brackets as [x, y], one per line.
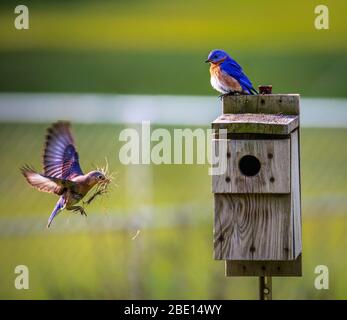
[290, 268]
[256, 123]
[252, 227]
[233, 230]
[274, 174]
[295, 189]
[269, 104]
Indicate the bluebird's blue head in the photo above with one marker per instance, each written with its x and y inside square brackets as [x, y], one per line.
[217, 56]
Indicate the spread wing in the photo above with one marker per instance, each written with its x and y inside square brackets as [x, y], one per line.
[45, 184]
[60, 158]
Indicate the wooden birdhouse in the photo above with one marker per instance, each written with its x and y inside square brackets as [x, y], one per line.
[257, 213]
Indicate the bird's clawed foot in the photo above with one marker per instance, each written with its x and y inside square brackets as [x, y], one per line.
[231, 93]
[97, 193]
[79, 209]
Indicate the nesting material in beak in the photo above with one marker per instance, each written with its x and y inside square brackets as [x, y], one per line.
[102, 185]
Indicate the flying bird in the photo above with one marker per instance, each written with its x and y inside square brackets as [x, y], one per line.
[227, 76]
[62, 174]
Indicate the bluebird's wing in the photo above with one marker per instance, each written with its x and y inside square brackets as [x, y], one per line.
[60, 158]
[45, 184]
[232, 68]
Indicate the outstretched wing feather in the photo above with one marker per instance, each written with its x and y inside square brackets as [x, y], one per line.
[60, 157]
[44, 183]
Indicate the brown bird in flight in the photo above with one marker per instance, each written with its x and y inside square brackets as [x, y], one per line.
[62, 174]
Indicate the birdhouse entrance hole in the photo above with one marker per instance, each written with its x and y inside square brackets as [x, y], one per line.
[249, 165]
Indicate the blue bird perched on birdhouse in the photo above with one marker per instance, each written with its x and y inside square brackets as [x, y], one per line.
[227, 76]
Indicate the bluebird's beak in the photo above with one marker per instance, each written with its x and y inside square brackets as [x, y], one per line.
[207, 61]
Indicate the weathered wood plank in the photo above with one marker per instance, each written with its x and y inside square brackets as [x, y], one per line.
[290, 268]
[252, 227]
[295, 189]
[270, 104]
[272, 234]
[256, 123]
[232, 229]
[274, 173]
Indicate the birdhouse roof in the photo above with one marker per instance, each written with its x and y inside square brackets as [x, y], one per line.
[257, 123]
[260, 114]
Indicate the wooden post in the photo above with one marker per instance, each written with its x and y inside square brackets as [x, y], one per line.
[257, 224]
[265, 288]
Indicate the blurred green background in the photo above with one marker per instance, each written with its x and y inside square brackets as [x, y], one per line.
[153, 46]
[158, 47]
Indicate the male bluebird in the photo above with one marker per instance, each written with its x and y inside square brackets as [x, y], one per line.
[227, 76]
[62, 172]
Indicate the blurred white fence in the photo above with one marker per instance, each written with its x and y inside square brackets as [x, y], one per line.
[183, 110]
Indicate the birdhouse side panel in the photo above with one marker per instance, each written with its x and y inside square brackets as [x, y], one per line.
[296, 198]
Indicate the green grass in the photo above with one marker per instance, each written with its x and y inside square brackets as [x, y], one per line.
[166, 73]
[169, 263]
[158, 47]
[179, 26]
[165, 262]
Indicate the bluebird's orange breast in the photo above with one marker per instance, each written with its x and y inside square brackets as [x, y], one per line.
[222, 81]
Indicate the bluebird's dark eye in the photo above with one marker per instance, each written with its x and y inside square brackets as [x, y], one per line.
[100, 177]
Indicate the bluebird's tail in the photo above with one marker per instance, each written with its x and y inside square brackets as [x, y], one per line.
[59, 206]
[253, 91]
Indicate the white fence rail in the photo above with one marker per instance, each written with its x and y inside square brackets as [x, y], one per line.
[183, 110]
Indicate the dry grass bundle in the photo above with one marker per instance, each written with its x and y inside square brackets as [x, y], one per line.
[103, 185]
